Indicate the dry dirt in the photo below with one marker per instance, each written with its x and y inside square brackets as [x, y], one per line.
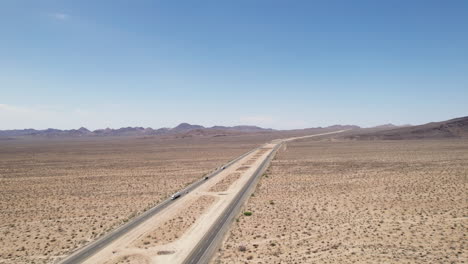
[131, 259]
[176, 226]
[56, 195]
[226, 182]
[357, 202]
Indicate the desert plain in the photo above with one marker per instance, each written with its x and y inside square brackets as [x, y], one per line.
[57, 195]
[342, 201]
[323, 200]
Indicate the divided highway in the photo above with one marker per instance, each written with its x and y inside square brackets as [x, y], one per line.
[205, 248]
[92, 248]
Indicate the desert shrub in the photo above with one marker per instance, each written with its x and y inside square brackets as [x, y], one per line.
[247, 213]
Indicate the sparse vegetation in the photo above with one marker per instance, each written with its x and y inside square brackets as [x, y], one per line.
[358, 202]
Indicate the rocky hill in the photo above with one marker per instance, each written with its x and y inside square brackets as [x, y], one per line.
[453, 128]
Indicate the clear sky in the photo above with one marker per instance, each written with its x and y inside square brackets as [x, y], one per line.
[279, 64]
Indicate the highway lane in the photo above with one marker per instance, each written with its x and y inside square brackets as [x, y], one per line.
[205, 248]
[87, 251]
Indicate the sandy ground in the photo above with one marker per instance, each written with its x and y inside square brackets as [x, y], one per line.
[170, 236]
[226, 182]
[357, 202]
[57, 195]
[175, 227]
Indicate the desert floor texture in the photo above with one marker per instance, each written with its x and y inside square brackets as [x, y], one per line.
[57, 195]
[357, 202]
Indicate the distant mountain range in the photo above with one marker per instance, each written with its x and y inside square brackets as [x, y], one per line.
[131, 131]
[453, 128]
[182, 130]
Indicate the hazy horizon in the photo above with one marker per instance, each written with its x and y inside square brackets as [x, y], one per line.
[209, 126]
[273, 64]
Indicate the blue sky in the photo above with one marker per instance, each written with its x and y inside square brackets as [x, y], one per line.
[280, 64]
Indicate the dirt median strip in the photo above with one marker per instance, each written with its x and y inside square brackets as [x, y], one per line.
[175, 227]
[133, 258]
[226, 182]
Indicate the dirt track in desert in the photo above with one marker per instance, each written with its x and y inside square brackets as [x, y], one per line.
[355, 202]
